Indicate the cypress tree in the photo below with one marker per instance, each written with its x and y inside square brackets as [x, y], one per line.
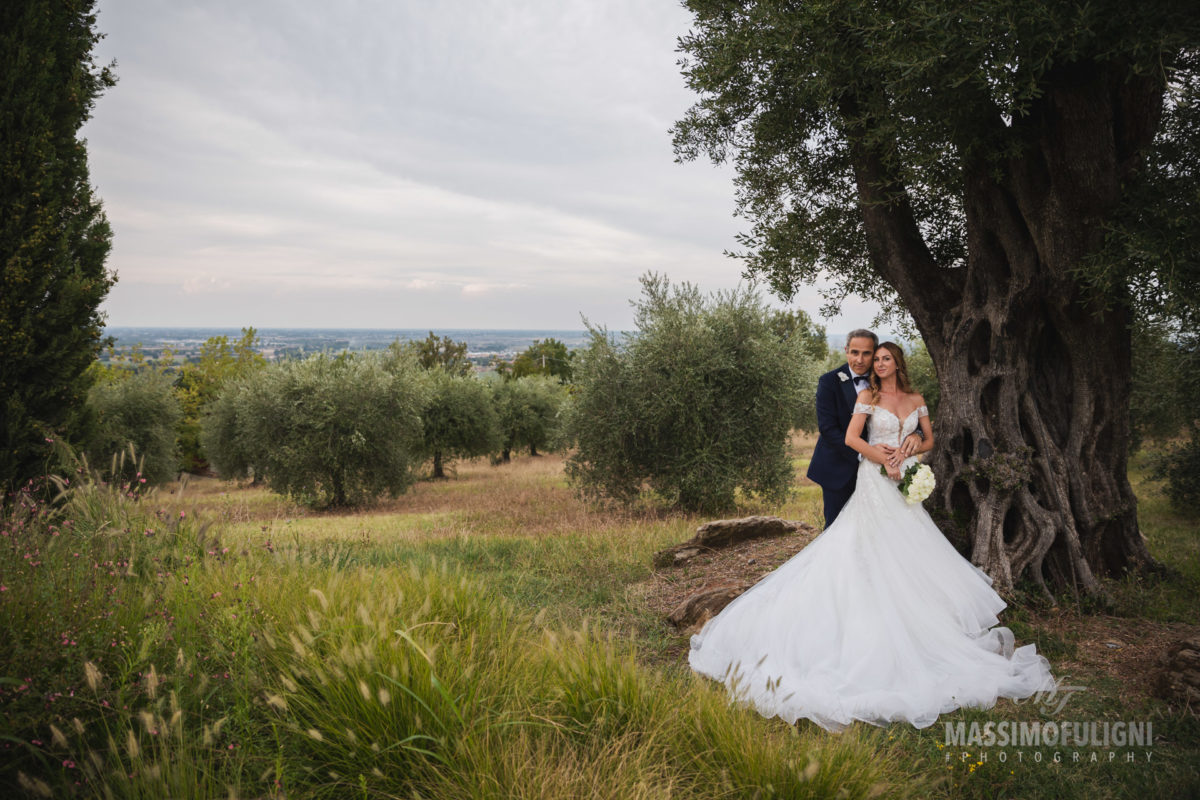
[54, 237]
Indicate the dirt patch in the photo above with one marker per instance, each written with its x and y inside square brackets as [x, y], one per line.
[748, 561]
[1125, 649]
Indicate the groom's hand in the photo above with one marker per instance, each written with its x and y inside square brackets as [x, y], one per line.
[893, 457]
[910, 445]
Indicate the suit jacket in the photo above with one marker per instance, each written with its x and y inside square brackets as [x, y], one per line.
[834, 465]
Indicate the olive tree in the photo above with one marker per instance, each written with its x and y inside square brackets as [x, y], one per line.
[221, 435]
[458, 418]
[698, 404]
[1015, 176]
[529, 411]
[142, 409]
[328, 430]
[200, 382]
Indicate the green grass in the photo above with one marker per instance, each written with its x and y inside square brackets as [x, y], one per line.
[480, 637]
[1174, 540]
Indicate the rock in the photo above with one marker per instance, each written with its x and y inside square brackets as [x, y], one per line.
[705, 604]
[726, 532]
[1178, 678]
[684, 555]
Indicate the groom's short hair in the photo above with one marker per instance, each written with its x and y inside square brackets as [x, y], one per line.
[863, 333]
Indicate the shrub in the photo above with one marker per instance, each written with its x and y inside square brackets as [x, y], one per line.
[328, 430]
[434, 353]
[1183, 475]
[141, 409]
[698, 404]
[529, 413]
[549, 357]
[458, 418]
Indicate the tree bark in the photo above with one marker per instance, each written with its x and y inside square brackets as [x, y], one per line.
[339, 490]
[438, 470]
[1032, 430]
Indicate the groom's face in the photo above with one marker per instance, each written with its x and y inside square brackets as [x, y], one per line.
[859, 353]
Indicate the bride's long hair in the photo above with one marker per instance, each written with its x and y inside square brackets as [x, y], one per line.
[902, 382]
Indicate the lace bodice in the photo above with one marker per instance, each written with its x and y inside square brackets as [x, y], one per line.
[886, 427]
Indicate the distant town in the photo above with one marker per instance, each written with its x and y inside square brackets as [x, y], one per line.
[483, 346]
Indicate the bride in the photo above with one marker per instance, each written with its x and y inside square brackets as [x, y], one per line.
[879, 619]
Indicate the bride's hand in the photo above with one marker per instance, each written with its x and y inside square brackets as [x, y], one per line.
[893, 471]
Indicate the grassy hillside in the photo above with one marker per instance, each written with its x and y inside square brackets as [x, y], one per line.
[486, 636]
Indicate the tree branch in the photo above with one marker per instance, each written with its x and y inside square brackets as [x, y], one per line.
[898, 250]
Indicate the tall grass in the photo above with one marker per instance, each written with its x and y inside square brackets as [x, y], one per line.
[192, 669]
[457, 643]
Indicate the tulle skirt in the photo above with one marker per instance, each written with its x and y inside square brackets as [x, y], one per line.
[879, 619]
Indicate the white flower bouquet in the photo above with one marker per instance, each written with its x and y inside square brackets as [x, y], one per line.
[916, 484]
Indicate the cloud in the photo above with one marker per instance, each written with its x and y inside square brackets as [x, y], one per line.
[286, 156]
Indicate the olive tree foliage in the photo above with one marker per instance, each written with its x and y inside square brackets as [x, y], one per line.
[459, 419]
[221, 432]
[54, 238]
[1181, 468]
[328, 430]
[1163, 411]
[923, 375]
[200, 381]
[698, 404]
[1166, 382]
[529, 411]
[814, 349]
[1015, 175]
[142, 409]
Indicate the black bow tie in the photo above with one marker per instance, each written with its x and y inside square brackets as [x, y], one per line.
[861, 378]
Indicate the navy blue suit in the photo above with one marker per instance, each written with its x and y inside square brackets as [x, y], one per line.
[834, 466]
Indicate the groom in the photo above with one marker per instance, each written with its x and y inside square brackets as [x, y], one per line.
[834, 466]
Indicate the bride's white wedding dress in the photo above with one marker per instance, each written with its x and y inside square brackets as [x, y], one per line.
[879, 619]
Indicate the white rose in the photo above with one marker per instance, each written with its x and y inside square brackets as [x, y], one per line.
[922, 485]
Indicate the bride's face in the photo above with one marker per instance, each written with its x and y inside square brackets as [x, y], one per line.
[885, 365]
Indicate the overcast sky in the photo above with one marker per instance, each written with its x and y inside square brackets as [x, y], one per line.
[401, 164]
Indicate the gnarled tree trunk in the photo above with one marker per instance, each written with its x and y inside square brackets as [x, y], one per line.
[1032, 428]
